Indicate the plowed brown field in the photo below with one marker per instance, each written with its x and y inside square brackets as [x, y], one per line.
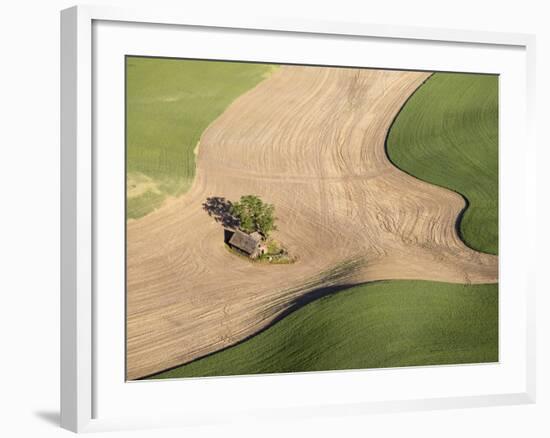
[310, 141]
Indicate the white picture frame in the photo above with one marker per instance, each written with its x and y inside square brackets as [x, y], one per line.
[83, 370]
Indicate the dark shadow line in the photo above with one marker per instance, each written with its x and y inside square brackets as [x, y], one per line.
[460, 215]
[295, 305]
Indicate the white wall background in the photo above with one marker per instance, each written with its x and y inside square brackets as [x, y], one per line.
[29, 219]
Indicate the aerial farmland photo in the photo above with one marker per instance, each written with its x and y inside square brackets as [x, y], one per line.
[298, 218]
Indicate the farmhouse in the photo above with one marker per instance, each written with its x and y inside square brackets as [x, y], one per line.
[250, 244]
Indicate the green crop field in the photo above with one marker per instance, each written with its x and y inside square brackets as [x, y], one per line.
[384, 324]
[169, 104]
[447, 134]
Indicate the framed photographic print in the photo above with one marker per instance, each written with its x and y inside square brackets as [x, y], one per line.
[271, 218]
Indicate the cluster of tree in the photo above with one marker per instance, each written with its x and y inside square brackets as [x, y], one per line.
[254, 215]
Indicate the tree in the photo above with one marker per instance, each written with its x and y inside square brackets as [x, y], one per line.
[254, 215]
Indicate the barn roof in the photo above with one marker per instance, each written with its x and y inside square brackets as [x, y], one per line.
[245, 242]
[256, 236]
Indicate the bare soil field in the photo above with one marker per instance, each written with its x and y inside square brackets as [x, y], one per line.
[310, 141]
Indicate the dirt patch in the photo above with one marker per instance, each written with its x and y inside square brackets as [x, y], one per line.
[137, 184]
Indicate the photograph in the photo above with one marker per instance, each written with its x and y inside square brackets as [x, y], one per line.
[256, 220]
[285, 218]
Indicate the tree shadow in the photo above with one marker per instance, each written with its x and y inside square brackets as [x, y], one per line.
[220, 209]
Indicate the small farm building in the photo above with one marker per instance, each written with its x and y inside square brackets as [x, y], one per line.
[250, 244]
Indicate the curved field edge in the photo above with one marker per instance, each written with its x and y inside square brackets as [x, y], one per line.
[447, 134]
[169, 104]
[375, 325]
